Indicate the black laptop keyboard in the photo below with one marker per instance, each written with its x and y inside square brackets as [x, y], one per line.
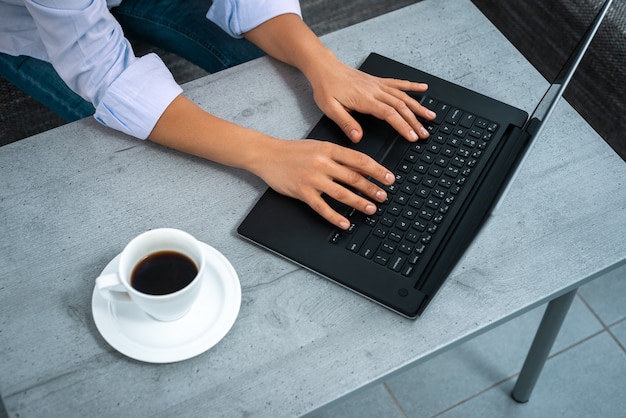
[430, 175]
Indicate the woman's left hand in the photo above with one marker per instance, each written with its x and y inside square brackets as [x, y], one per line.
[340, 89]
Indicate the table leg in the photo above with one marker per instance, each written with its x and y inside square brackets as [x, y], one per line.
[542, 344]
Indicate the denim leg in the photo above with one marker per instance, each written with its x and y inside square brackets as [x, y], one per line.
[39, 80]
[181, 27]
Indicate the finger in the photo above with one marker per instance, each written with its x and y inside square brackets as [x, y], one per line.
[349, 198]
[323, 209]
[415, 107]
[338, 114]
[357, 183]
[409, 109]
[355, 161]
[405, 85]
[397, 114]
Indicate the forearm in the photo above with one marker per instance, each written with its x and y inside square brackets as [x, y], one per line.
[187, 128]
[288, 39]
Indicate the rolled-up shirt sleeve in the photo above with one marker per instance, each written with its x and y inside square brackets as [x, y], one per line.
[136, 100]
[87, 48]
[237, 17]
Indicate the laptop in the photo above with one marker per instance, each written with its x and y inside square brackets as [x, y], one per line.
[445, 189]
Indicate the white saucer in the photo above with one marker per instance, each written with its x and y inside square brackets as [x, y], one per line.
[137, 335]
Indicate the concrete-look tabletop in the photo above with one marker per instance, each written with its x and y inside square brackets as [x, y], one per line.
[71, 198]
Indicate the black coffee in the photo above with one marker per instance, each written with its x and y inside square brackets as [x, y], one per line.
[163, 272]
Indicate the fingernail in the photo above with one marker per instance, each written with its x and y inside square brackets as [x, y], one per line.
[431, 114]
[424, 132]
[389, 178]
[354, 134]
[413, 135]
[370, 209]
[381, 195]
[344, 224]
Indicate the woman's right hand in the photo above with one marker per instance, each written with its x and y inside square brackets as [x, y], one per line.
[306, 169]
[302, 169]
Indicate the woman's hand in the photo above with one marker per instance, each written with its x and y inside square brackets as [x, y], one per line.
[306, 169]
[339, 89]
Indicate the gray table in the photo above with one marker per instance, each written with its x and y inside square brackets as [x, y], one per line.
[71, 198]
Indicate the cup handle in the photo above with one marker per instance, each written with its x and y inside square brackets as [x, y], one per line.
[111, 288]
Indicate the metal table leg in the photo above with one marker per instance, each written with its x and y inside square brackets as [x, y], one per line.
[542, 344]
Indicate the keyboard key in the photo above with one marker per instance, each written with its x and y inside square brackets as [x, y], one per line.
[433, 203]
[429, 182]
[412, 156]
[405, 248]
[415, 178]
[460, 132]
[409, 213]
[445, 182]
[403, 224]
[395, 236]
[336, 237]
[412, 237]
[467, 120]
[454, 115]
[448, 151]
[439, 138]
[408, 270]
[370, 247]
[419, 225]
[387, 220]
[446, 129]
[481, 123]
[439, 192]
[357, 239]
[476, 133]
[454, 141]
[428, 157]
[425, 214]
[369, 221]
[380, 232]
[397, 262]
[430, 103]
[441, 109]
[416, 202]
[381, 258]
[388, 247]
[434, 148]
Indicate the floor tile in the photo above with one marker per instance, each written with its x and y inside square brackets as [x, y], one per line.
[373, 402]
[585, 381]
[619, 331]
[3, 411]
[605, 295]
[480, 363]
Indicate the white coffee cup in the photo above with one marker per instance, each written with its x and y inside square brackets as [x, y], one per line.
[157, 244]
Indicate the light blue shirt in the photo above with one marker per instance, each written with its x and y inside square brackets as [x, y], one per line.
[86, 46]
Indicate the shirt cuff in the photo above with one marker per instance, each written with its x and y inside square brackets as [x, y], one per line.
[237, 17]
[135, 101]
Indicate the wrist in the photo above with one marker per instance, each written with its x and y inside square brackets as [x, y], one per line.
[318, 67]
